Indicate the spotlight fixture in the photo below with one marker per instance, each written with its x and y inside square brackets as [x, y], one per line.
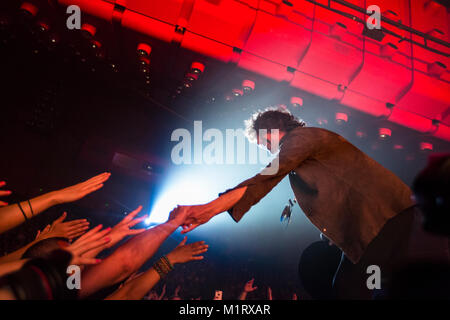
[53, 39]
[191, 76]
[88, 30]
[237, 92]
[114, 67]
[29, 9]
[144, 65]
[384, 133]
[341, 118]
[43, 27]
[361, 134]
[322, 121]
[426, 146]
[248, 86]
[197, 67]
[296, 102]
[95, 44]
[144, 50]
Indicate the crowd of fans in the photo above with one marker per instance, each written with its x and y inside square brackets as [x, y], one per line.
[110, 262]
[111, 268]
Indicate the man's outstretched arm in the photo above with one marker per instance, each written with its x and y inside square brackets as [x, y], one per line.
[203, 213]
[297, 147]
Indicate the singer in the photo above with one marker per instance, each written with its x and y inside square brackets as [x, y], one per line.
[362, 207]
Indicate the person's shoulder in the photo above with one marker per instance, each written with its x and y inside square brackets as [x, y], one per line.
[311, 131]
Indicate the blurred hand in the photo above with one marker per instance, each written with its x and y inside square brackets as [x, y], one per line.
[92, 240]
[294, 296]
[41, 235]
[249, 286]
[269, 293]
[190, 217]
[69, 229]
[176, 295]
[122, 229]
[187, 252]
[179, 214]
[80, 190]
[3, 193]
[133, 276]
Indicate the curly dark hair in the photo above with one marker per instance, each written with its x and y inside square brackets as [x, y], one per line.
[271, 118]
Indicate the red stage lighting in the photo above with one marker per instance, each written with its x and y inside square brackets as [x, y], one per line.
[384, 133]
[144, 50]
[29, 9]
[197, 67]
[88, 30]
[296, 102]
[341, 118]
[426, 146]
[248, 86]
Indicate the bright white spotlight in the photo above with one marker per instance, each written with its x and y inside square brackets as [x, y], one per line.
[188, 190]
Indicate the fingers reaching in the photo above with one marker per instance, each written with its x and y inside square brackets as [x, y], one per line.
[60, 219]
[189, 228]
[4, 193]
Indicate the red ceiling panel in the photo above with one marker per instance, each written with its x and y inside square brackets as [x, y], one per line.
[228, 22]
[277, 39]
[264, 67]
[101, 9]
[364, 103]
[148, 26]
[428, 96]
[167, 10]
[326, 48]
[207, 46]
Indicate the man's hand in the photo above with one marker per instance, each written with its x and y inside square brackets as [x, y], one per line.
[3, 193]
[190, 217]
[249, 286]
[194, 216]
[80, 190]
[122, 229]
[92, 240]
[187, 252]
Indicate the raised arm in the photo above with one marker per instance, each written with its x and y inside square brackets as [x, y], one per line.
[247, 288]
[68, 229]
[129, 257]
[11, 216]
[139, 286]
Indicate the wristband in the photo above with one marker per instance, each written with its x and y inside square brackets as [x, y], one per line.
[23, 212]
[31, 208]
